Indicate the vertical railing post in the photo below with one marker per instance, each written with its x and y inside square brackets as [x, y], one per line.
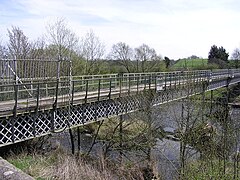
[86, 91]
[179, 79]
[56, 96]
[54, 106]
[129, 84]
[181, 82]
[31, 87]
[15, 71]
[120, 84]
[46, 90]
[99, 88]
[170, 78]
[36, 110]
[145, 79]
[137, 84]
[73, 89]
[149, 83]
[165, 83]
[155, 82]
[13, 120]
[175, 80]
[110, 88]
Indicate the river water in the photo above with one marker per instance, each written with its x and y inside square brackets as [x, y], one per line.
[165, 153]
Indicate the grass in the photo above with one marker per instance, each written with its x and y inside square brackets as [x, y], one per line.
[211, 169]
[191, 64]
[32, 164]
[207, 95]
[60, 165]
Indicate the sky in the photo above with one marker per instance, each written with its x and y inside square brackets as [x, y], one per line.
[174, 28]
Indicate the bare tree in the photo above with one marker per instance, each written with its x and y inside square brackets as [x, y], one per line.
[236, 57]
[62, 39]
[92, 49]
[3, 51]
[19, 46]
[124, 53]
[38, 50]
[143, 54]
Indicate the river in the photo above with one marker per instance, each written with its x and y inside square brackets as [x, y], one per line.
[165, 153]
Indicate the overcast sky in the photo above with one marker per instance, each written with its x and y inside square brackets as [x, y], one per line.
[174, 28]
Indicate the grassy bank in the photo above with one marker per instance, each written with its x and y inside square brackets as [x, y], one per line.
[60, 165]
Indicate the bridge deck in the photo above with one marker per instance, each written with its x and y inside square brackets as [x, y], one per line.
[32, 109]
[30, 104]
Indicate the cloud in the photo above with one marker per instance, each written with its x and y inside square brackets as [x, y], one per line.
[176, 28]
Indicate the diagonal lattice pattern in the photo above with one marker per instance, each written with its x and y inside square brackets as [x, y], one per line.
[43, 122]
[23, 127]
[5, 131]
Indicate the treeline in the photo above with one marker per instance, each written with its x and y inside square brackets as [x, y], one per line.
[88, 53]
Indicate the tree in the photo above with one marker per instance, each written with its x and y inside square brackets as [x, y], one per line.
[143, 54]
[18, 46]
[122, 52]
[3, 51]
[236, 57]
[193, 57]
[167, 62]
[63, 39]
[92, 49]
[38, 50]
[218, 53]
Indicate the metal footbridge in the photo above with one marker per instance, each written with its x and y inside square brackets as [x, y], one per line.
[39, 97]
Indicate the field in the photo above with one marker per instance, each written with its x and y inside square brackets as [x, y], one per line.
[191, 64]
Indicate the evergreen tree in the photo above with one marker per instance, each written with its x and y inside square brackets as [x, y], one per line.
[218, 53]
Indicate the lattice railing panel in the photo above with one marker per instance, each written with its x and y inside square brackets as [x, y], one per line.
[100, 110]
[121, 106]
[112, 108]
[5, 131]
[89, 113]
[61, 118]
[43, 122]
[76, 115]
[23, 127]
